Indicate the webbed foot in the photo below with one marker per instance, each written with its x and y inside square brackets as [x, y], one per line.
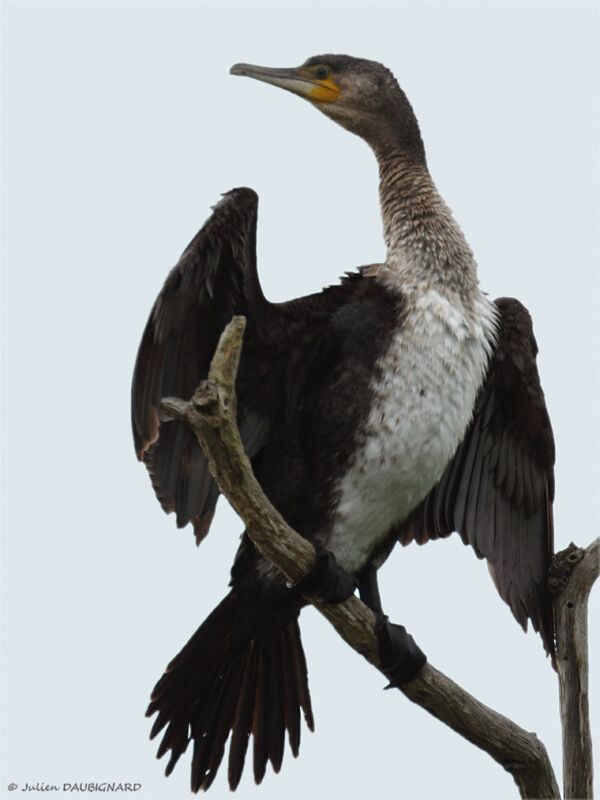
[326, 580]
[401, 659]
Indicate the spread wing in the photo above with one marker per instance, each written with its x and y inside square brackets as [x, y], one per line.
[286, 346]
[497, 492]
[214, 279]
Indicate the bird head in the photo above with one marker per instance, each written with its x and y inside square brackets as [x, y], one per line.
[361, 95]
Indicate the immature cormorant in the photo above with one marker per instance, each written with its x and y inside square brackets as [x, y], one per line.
[400, 404]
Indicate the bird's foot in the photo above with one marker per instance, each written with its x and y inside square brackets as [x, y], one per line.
[326, 580]
[401, 659]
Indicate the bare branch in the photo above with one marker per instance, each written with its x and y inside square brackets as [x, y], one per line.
[572, 576]
[211, 415]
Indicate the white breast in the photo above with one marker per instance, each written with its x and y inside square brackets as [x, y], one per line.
[431, 374]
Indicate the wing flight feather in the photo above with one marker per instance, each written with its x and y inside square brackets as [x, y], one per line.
[214, 279]
[497, 491]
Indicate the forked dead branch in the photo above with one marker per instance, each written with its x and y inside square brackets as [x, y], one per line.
[211, 414]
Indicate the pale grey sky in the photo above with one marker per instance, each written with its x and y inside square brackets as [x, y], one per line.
[121, 127]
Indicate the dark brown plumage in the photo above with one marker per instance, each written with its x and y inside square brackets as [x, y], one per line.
[311, 374]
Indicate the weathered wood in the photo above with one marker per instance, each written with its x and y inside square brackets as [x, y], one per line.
[520, 752]
[572, 575]
[211, 415]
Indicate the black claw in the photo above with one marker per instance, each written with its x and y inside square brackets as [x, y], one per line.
[326, 580]
[401, 658]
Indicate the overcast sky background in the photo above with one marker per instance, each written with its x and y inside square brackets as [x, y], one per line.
[121, 127]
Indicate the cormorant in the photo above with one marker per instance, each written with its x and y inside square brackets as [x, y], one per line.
[399, 405]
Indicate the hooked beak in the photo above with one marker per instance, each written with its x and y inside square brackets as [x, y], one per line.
[299, 80]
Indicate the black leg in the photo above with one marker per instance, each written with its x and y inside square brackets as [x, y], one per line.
[401, 659]
[369, 589]
[326, 580]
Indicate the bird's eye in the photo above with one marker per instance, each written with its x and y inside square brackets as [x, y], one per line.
[322, 73]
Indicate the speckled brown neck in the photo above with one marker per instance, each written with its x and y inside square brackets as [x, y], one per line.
[424, 242]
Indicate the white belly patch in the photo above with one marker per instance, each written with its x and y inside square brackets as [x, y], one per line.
[423, 403]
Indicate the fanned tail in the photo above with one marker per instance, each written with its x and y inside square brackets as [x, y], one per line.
[233, 677]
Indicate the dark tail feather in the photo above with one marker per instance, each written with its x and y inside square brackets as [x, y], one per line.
[219, 684]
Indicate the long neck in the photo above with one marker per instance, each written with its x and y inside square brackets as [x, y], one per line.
[424, 242]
